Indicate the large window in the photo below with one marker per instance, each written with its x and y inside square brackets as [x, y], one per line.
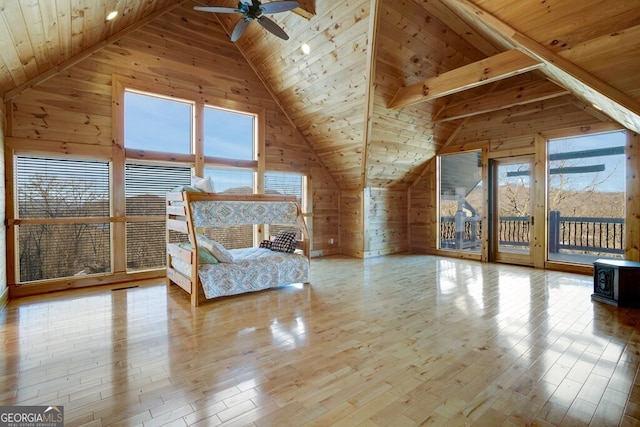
[160, 124]
[461, 201]
[586, 197]
[63, 206]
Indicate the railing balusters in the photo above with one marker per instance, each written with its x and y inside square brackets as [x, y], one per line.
[596, 235]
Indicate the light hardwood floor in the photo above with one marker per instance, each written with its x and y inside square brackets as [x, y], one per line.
[391, 341]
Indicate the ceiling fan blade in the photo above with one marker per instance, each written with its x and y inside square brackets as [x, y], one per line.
[216, 9]
[239, 29]
[272, 27]
[278, 6]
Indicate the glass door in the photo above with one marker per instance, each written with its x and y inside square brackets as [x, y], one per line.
[512, 201]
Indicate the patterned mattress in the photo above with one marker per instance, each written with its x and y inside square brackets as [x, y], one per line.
[254, 269]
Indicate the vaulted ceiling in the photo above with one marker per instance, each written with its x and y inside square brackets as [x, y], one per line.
[388, 83]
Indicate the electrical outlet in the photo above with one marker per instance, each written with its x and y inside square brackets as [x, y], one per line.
[331, 241]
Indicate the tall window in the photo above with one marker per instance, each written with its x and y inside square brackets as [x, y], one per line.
[165, 125]
[63, 205]
[586, 192]
[153, 123]
[461, 199]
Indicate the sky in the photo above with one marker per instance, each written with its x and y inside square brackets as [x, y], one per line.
[612, 179]
[160, 124]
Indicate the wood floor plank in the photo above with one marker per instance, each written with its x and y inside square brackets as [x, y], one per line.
[391, 341]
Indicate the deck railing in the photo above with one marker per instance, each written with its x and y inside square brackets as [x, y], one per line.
[589, 235]
[605, 235]
[469, 239]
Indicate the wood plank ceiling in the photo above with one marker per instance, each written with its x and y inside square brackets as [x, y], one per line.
[388, 83]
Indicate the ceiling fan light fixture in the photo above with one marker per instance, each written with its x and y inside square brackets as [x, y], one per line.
[254, 10]
[112, 15]
[306, 49]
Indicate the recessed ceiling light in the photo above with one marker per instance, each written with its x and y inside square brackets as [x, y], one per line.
[112, 15]
[305, 49]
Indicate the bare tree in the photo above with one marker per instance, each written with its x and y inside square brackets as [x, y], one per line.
[61, 250]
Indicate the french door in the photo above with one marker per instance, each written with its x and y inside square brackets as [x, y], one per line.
[511, 210]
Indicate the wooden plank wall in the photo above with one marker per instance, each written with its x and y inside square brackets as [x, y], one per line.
[326, 236]
[373, 222]
[352, 223]
[385, 222]
[184, 54]
[422, 216]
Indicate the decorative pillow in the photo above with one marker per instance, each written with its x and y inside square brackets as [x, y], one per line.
[203, 184]
[266, 244]
[285, 241]
[221, 253]
[204, 256]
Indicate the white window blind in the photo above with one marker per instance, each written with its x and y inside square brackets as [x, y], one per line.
[61, 188]
[231, 180]
[54, 188]
[283, 183]
[288, 184]
[146, 186]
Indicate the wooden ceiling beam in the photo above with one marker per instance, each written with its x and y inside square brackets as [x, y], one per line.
[614, 103]
[497, 67]
[370, 89]
[506, 98]
[307, 8]
[42, 77]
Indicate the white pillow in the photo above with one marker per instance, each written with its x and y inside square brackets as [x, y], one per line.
[203, 184]
[221, 253]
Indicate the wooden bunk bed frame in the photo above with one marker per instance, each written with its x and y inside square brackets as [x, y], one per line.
[179, 219]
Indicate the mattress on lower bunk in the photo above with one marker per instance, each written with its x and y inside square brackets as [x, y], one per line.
[253, 269]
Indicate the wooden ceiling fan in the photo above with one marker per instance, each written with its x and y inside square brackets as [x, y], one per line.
[253, 10]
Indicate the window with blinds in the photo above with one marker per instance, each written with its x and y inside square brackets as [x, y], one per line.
[284, 183]
[231, 181]
[49, 189]
[146, 186]
[288, 184]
